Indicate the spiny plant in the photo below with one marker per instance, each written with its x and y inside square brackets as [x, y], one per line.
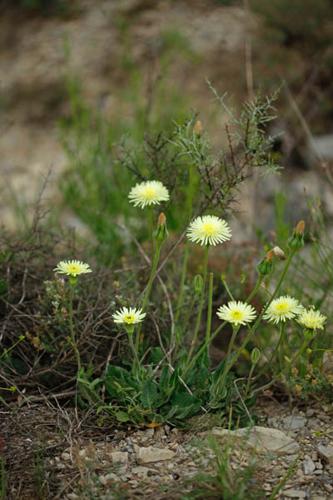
[198, 176]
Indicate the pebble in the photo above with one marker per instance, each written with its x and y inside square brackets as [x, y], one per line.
[264, 439]
[294, 422]
[308, 465]
[294, 493]
[326, 452]
[140, 471]
[150, 454]
[108, 477]
[120, 457]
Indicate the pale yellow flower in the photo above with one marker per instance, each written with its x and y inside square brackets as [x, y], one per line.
[148, 193]
[129, 316]
[312, 319]
[209, 230]
[237, 313]
[282, 308]
[72, 268]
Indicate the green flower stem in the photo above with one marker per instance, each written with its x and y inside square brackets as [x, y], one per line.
[226, 286]
[147, 292]
[279, 346]
[134, 350]
[249, 378]
[255, 289]
[210, 307]
[203, 348]
[182, 282]
[201, 303]
[301, 350]
[229, 351]
[151, 224]
[71, 325]
[252, 330]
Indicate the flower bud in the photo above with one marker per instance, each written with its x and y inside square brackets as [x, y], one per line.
[255, 355]
[161, 232]
[198, 128]
[279, 253]
[266, 265]
[296, 241]
[198, 284]
[73, 280]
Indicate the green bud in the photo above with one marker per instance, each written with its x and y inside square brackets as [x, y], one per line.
[161, 232]
[198, 283]
[130, 329]
[296, 241]
[73, 280]
[265, 267]
[255, 355]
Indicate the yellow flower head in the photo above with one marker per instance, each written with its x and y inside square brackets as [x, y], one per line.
[148, 193]
[237, 313]
[209, 230]
[72, 268]
[129, 316]
[282, 308]
[312, 319]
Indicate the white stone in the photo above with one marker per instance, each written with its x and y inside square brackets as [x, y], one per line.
[120, 457]
[140, 471]
[264, 439]
[326, 452]
[308, 466]
[150, 454]
[294, 493]
[294, 422]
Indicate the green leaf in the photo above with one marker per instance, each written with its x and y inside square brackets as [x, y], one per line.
[149, 397]
[156, 355]
[122, 416]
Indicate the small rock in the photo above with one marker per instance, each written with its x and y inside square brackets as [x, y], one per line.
[150, 454]
[294, 422]
[146, 435]
[308, 466]
[120, 457]
[107, 478]
[264, 439]
[326, 452]
[140, 471]
[65, 456]
[294, 493]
